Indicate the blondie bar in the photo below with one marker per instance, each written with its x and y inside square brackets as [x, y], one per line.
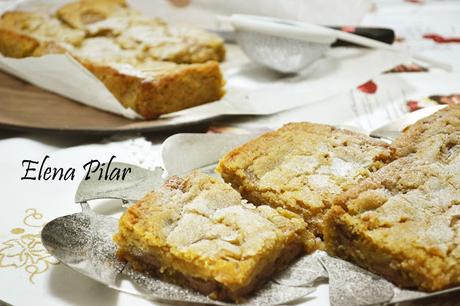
[196, 231]
[302, 167]
[404, 221]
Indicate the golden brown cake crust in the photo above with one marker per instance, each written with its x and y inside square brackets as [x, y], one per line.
[404, 221]
[302, 167]
[132, 73]
[197, 231]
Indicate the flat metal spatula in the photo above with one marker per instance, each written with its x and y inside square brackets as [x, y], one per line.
[137, 183]
[392, 129]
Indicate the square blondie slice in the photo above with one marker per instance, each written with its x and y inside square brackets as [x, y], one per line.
[302, 167]
[404, 221]
[196, 231]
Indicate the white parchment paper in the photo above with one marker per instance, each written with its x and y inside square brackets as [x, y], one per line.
[64, 75]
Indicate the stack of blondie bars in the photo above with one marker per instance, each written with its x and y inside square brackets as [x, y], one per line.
[393, 209]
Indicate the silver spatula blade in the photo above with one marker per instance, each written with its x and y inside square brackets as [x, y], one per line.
[134, 186]
[393, 129]
[182, 153]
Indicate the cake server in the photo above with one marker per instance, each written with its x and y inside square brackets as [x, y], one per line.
[137, 183]
[391, 130]
[291, 46]
[201, 150]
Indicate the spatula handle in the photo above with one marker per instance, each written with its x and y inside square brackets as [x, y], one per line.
[384, 35]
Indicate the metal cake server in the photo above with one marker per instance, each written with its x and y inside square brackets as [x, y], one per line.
[136, 184]
[392, 130]
[83, 242]
[182, 153]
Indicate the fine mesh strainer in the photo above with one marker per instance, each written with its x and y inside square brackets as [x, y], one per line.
[290, 46]
[282, 54]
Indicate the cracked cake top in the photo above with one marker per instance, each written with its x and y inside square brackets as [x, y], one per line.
[200, 227]
[302, 167]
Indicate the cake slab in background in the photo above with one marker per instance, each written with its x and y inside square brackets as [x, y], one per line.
[251, 89]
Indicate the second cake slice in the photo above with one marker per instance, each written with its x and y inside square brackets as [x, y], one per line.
[302, 167]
